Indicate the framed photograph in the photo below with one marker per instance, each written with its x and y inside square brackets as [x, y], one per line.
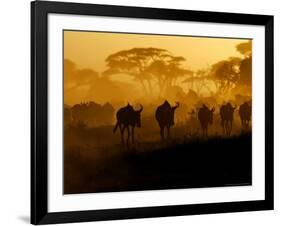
[144, 112]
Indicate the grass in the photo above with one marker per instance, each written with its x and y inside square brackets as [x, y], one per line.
[94, 161]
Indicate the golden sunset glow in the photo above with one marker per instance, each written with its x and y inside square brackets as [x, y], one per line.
[89, 50]
[145, 112]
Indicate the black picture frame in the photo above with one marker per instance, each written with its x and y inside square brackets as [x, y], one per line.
[39, 113]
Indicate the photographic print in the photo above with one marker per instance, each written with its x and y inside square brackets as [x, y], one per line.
[155, 111]
[146, 112]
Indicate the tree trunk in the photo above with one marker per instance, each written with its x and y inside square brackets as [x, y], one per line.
[143, 86]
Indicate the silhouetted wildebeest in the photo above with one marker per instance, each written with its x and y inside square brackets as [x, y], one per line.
[128, 117]
[245, 112]
[205, 117]
[165, 117]
[92, 114]
[226, 113]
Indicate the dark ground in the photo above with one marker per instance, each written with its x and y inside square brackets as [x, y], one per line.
[156, 165]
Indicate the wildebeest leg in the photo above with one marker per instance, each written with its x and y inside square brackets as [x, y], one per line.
[162, 132]
[226, 126]
[122, 133]
[246, 127]
[243, 124]
[120, 128]
[204, 129]
[133, 135]
[223, 127]
[128, 138]
[168, 132]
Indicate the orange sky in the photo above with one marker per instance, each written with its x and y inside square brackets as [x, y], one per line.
[90, 49]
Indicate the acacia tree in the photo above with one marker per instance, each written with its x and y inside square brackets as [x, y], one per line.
[147, 65]
[226, 74]
[234, 72]
[75, 78]
[199, 81]
[245, 48]
[246, 71]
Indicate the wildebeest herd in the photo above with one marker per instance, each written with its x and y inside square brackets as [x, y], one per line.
[128, 118]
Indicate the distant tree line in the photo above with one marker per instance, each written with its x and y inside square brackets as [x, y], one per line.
[150, 66]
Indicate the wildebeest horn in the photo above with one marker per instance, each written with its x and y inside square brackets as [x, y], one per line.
[213, 109]
[141, 108]
[177, 105]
